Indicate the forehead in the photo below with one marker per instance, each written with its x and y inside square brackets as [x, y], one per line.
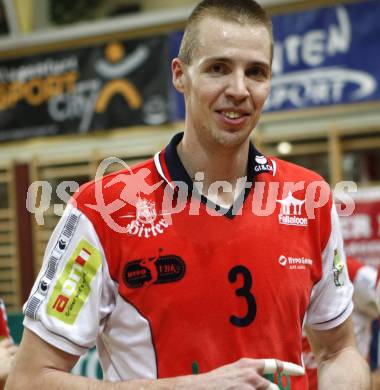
[220, 38]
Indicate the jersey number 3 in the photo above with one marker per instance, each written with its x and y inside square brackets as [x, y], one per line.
[245, 292]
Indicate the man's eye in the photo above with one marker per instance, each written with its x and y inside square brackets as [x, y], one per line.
[256, 72]
[217, 68]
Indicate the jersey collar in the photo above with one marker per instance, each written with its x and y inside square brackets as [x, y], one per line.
[171, 169]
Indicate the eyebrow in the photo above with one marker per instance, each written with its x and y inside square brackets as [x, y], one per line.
[229, 61]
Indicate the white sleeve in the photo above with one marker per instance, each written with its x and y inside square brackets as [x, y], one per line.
[73, 292]
[331, 298]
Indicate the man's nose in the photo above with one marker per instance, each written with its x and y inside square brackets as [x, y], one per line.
[237, 86]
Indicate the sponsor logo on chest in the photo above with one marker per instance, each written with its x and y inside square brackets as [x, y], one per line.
[146, 223]
[291, 211]
[295, 263]
[154, 270]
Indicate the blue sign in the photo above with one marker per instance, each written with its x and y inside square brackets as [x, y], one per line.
[322, 57]
[326, 56]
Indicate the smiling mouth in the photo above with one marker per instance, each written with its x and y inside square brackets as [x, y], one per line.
[233, 114]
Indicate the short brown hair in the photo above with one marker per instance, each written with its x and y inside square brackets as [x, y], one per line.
[240, 11]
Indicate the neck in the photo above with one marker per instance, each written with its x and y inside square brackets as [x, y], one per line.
[217, 164]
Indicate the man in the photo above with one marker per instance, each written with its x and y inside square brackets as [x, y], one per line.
[231, 283]
[7, 348]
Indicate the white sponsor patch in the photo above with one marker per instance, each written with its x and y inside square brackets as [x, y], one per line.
[291, 211]
[146, 222]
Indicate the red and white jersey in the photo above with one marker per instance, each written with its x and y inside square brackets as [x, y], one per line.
[4, 330]
[162, 280]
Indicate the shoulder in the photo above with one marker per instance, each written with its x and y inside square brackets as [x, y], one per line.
[305, 182]
[304, 185]
[287, 171]
[114, 185]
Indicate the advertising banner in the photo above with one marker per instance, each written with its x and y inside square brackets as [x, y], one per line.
[326, 56]
[361, 230]
[112, 85]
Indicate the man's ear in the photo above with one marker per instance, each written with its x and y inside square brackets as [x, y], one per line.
[178, 75]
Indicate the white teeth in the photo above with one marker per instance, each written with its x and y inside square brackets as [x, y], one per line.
[232, 114]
